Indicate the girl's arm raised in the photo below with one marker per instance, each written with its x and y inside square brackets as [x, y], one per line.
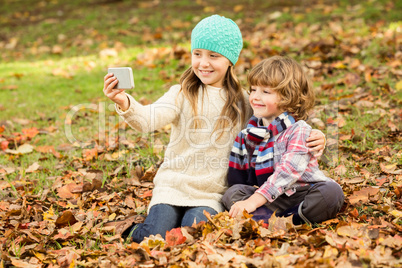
[116, 95]
[147, 118]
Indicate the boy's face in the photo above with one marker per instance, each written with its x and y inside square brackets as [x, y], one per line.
[264, 102]
[210, 67]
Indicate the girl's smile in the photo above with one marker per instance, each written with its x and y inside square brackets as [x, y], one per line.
[210, 67]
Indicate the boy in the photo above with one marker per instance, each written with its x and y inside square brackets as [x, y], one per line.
[270, 168]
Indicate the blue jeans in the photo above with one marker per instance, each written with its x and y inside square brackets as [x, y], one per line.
[163, 217]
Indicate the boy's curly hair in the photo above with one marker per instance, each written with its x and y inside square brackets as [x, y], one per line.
[286, 77]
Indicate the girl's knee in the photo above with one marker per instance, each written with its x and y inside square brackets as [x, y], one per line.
[196, 215]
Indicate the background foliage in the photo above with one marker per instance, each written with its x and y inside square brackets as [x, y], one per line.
[57, 190]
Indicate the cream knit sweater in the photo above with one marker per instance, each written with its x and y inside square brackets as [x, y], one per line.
[196, 162]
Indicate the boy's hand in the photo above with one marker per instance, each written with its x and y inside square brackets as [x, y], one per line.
[255, 201]
[316, 142]
[116, 95]
[239, 206]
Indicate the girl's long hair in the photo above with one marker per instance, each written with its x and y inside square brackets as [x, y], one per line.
[234, 109]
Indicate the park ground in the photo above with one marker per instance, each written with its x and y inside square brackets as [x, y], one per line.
[68, 164]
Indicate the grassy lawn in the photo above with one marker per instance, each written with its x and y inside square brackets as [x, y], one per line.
[54, 54]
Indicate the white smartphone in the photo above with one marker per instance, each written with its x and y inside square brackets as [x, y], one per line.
[124, 75]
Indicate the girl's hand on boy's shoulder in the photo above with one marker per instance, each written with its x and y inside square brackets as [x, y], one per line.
[116, 95]
[316, 142]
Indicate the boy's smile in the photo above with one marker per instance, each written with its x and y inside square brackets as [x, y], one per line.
[264, 102]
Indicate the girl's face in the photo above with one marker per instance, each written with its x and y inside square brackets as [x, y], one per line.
[210, 67]
[264, 102]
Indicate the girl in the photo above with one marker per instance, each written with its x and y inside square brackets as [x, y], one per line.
[205, 111]
[271, 153]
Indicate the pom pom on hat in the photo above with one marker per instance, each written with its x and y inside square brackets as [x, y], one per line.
[218, 34]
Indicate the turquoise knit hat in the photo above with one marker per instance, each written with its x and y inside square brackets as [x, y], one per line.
[218, 34]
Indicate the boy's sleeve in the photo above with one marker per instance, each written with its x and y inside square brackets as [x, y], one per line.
[292, 165]
[147, 118]
[238, 162]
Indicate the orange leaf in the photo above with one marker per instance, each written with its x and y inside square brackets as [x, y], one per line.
[354, 213]
[90, 154]
[48, 149]
[146, 194]
[30, 132]
[175, 237]
[4, 145]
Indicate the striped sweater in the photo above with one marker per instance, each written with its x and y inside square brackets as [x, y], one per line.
[277, 164]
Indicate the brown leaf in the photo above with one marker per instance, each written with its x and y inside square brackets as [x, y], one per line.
[364, 103]
[130, 202]
[340, 170]
[23, 264]
[149, 174]
[354, 213]
[390, 169]
[123, 225]
[278, 224]
[66, 219]
[362, 195]
[65, 191]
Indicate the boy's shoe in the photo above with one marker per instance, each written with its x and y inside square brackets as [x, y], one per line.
[123, 227]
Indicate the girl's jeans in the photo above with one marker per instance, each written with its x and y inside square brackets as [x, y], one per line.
[163, 217]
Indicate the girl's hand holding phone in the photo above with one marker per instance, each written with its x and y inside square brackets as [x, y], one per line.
[116, 95]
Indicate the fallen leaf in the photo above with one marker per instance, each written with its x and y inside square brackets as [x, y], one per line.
[396, 213]
[238, 8]
[9, 87]
[66, 219]
[23, 264]
[340, 170]
[32, 168]
[390, 169]
[398, 86]
[48, 149]
[362, 195]
[4, 145]
[149, 174]
[175, 237]
[23, 149]
[61, 72]
[30, 132]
